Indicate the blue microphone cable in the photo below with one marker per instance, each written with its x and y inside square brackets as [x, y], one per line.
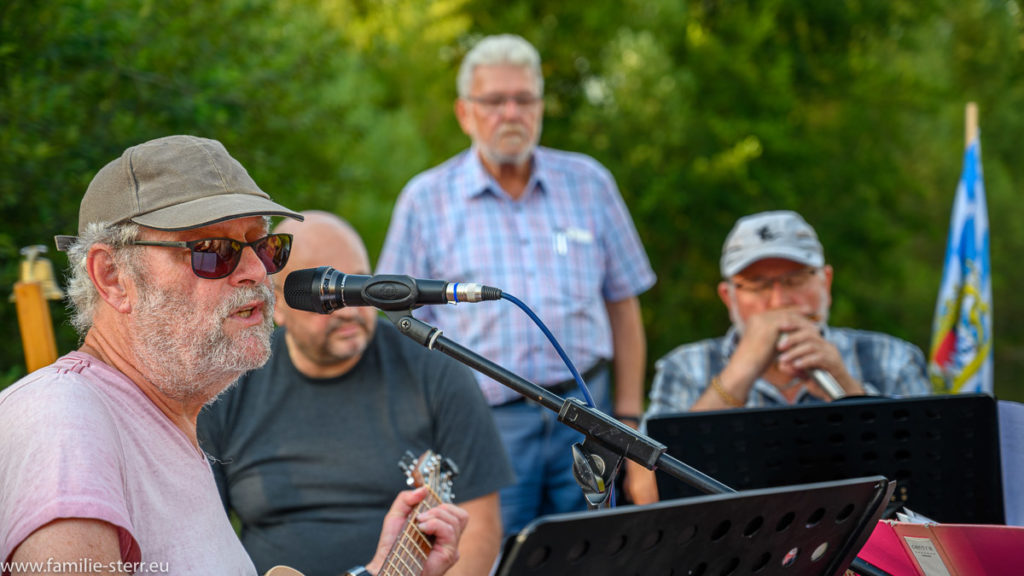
[558, 347]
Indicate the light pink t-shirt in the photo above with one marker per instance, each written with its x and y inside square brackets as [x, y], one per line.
[80, 440]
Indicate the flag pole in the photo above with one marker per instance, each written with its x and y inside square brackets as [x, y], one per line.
[971, 124]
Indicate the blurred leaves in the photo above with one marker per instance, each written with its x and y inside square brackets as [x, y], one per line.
[850, 112]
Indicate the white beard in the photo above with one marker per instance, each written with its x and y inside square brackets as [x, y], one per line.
[183, 349]
[502, 159]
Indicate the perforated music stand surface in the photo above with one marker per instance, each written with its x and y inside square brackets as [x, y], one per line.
[942, 451]
[814, 529]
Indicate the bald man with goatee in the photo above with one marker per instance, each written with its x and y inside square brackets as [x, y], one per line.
[308, 445]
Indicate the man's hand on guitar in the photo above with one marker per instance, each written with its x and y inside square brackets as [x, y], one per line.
[444, 523]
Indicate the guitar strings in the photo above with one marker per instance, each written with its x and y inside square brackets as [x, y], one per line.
[418, 555]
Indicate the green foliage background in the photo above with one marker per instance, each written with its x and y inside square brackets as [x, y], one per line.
[850, 112]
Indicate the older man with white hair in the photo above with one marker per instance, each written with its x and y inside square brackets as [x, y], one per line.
[100, 468]
[549, 227]
[777, 287]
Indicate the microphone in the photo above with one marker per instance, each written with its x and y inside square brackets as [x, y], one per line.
[828, 383]
[324, 290]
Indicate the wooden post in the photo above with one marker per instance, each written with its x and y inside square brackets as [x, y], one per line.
[971, 124]
[36, 326]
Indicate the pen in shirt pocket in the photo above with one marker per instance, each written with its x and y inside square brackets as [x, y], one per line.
[564, 236]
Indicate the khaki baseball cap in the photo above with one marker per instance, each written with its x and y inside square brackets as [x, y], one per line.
[173, 183]
[777, 234]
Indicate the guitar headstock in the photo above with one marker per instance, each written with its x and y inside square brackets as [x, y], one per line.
[431, 470]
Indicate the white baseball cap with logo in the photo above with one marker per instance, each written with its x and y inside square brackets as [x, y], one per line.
[777, 234]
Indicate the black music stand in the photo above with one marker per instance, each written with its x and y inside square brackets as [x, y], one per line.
[814, 529]
[607, 442]
[942, 451]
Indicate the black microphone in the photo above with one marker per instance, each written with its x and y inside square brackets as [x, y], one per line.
[324, 290]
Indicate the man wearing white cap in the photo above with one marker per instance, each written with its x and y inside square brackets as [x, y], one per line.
[777, 288]
[100, 469]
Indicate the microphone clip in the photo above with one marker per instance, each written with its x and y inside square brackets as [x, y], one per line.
[595, 468]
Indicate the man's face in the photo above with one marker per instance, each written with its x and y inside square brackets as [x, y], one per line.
[193, 334]
[775, 283]
[503, 113]
[325, 345]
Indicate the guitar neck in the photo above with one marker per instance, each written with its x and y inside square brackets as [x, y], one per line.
[409, 552]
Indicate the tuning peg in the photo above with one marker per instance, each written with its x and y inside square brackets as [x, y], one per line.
[408, 462]
[453, 469]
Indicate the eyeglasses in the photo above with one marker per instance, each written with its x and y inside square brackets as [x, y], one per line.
[762, 286]
[214, 258]
[494, 103]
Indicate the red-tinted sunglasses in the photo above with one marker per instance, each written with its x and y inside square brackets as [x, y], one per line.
[214, 258]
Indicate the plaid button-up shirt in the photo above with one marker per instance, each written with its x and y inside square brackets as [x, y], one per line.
[884, 364]
[564, 248]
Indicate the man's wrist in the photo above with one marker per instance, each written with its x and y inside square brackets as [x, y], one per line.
[357, 571]
[628, 419]
[723, 394]
[853, 387]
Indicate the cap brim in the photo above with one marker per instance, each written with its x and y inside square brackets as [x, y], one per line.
[211, 210]
[801, 256]
[64, 241]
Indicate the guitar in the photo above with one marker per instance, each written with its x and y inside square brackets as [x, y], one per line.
[411, 548]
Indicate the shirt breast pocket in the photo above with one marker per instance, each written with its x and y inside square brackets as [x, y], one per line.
[578, 263]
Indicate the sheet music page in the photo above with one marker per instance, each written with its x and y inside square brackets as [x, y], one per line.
[909, 516]
[927, 556]
[1011, 448]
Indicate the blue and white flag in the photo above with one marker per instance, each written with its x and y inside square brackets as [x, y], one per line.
[961, 352]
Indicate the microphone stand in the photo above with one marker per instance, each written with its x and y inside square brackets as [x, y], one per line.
[607, 440]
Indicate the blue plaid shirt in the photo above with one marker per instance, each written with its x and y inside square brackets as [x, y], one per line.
[883, 364]
[564, 248]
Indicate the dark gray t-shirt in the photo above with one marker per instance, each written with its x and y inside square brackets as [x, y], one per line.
[311, 465]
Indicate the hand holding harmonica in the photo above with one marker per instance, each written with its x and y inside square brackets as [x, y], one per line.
[809, 353]
[824, 379]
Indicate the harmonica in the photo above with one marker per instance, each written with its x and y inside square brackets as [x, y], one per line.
[826, 381]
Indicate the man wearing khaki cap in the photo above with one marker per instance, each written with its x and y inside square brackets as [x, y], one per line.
[780, 349]
[100, 470]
